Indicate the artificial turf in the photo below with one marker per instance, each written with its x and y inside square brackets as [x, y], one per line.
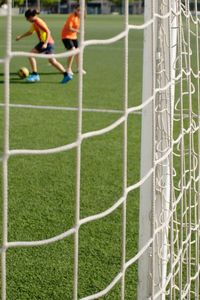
[42, 188]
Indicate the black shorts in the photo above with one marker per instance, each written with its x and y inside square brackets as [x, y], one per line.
[48, 50]
[70, 44]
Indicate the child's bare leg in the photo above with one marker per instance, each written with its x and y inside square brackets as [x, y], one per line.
[57, 65]
[69, 64]
[33, 62]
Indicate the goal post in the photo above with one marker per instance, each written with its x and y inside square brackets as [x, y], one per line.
[160, 41]
[146, 191]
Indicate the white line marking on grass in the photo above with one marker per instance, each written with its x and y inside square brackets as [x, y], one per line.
[64, 108]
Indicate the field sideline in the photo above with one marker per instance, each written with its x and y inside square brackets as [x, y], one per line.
[42, 188]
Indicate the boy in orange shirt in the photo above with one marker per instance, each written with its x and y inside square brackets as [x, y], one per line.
[69, 36]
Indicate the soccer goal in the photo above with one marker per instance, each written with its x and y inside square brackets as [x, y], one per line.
[169, 267]
[168, 254]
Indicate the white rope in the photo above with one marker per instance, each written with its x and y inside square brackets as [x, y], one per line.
[180, 232]
[6, 150]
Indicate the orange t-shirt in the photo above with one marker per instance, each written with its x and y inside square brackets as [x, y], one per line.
[74, 22]
[40, 27]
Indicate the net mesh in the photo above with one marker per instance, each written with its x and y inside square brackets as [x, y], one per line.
[175, 214]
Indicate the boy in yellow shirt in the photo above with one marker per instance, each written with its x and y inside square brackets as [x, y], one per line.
[45, 45]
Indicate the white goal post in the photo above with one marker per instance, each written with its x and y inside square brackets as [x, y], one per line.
[169, 212]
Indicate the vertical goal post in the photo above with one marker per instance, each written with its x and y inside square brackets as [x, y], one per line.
[170, 211]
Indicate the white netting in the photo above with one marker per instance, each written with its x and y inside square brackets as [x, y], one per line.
[174, 256]
[173, 244]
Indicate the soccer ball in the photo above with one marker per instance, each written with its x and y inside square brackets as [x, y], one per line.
[23, 72]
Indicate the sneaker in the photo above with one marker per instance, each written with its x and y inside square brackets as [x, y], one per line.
[67, 78]
[83, 72]
[33, 78]
[70, 72]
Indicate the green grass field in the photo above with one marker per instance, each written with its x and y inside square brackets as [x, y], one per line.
[42, 189]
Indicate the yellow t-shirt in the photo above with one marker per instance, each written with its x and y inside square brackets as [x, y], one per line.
[40, 27]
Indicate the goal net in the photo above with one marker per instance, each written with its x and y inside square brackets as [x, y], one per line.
[170, 196]
[168, 255]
